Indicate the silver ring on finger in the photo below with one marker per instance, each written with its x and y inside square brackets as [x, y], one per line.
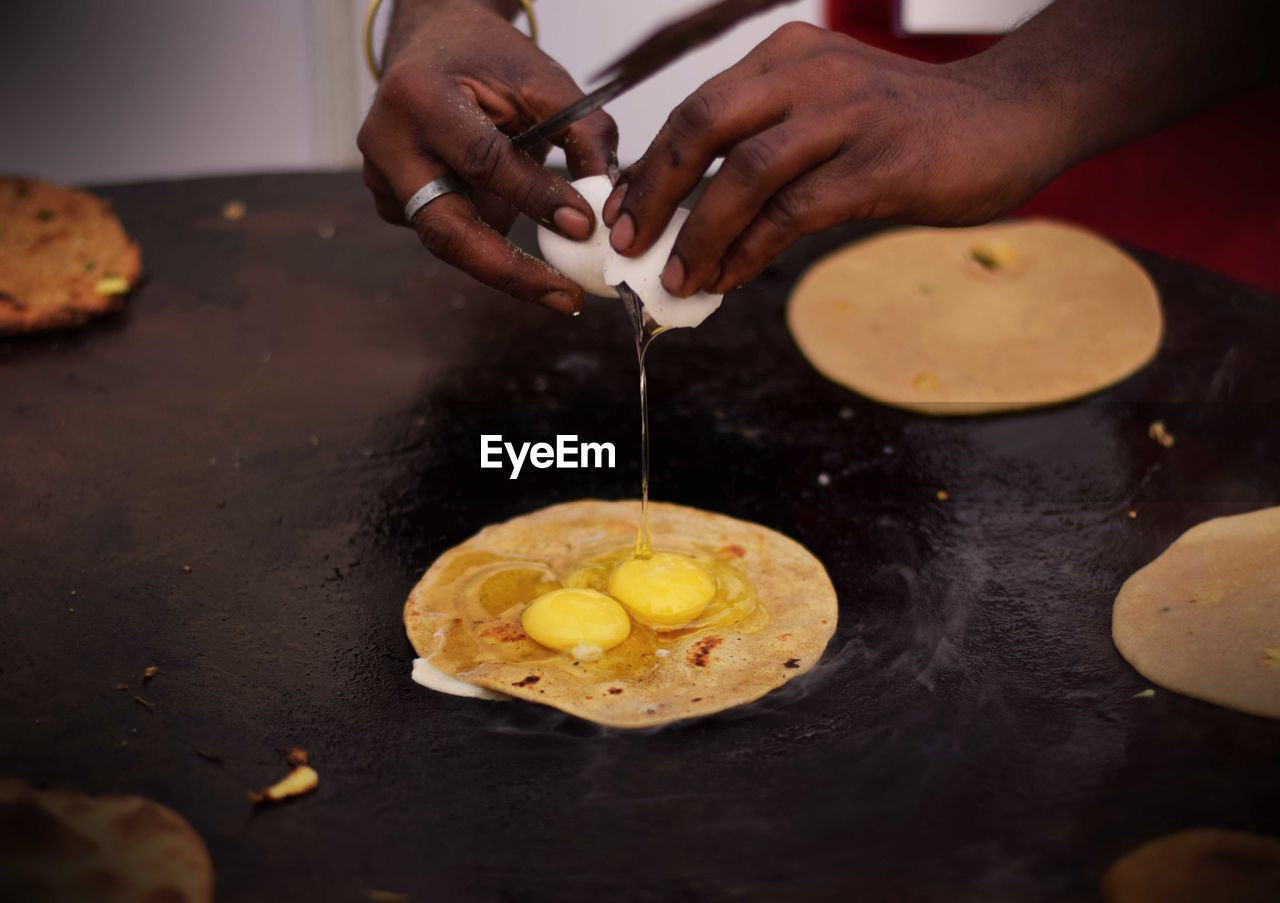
[436, 188]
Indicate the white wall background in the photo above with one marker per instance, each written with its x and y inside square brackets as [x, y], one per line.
[104, 90]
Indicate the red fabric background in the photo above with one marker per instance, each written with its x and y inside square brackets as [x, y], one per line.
[1206, 191]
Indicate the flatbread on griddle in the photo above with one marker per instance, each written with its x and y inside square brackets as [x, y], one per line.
[56, 845]
[1204, 618]
[64, 257]
[971, 321]
[1198, 865]
[703, 671]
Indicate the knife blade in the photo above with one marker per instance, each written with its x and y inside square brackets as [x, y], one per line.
[653, 54]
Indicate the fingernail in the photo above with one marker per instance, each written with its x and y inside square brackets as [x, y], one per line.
[614, 204]
[623, 233]
[573, 223]
[560, 302]
[673, 276]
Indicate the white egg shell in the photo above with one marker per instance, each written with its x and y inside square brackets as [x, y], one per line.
[583, 261]
[433, 678]
[643, 275]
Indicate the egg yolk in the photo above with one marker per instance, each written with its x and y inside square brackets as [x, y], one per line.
[663, 590]
[581, 622]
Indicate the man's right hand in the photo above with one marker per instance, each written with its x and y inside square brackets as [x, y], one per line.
[458, 80]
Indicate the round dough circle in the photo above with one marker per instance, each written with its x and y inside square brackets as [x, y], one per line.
[122, 848]
[1203, 619]
[583, 261]
[912, 319]
[1195, 865]
[705, 671]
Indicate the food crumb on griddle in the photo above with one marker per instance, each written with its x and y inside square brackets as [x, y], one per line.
[942, 495]
[1133, 515]
[296, 756]
[791, 663]
[210, 757]
[150, 672]
[1145, 694]
[146, 704]
[186, 569]
[122, 686]
[303, 779]
[1161, 434]
[527, 681]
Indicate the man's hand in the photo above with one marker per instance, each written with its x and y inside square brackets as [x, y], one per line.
[458, 80]
[817, 129]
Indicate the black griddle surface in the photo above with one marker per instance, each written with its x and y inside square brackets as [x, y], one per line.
[298, 420]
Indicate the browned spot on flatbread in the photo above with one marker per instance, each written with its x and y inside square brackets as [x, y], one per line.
[145, 820]
[165, 895]
[791, 663]
[527, 681]
[103, 884]
[504, 632]
[735, 550]
[700, 652]
[615, 690]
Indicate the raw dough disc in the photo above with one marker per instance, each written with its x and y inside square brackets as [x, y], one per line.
[1204, 618]
[691, 673]
[1197, 865]
[914, 317]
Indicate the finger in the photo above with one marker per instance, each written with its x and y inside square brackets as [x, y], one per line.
[450, 229]
[473, 147]
[383, 198]
[702, 127]
[753, 172]
[810, 204]
[388, 209]
[591, 145]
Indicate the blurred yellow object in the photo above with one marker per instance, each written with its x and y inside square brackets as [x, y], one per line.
[371, 16]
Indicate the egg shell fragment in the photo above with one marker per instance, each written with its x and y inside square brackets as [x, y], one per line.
[643, 275]
[583, 261]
